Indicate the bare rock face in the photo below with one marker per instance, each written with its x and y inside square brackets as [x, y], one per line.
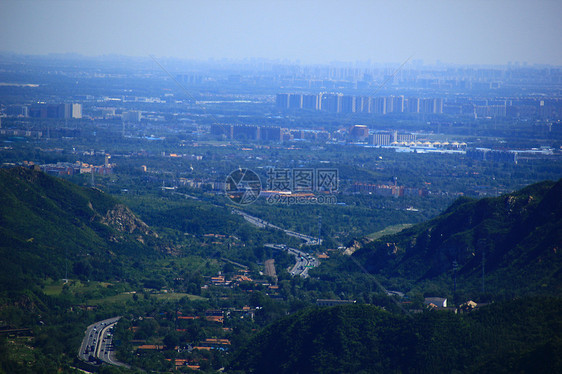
[354, 246]
[123, 220]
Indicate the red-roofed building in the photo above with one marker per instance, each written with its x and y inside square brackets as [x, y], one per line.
[151, 347]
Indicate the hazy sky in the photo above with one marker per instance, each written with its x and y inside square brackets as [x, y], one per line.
[470, 31]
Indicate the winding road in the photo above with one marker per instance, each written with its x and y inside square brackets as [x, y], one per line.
[97, 345]
[304, 261]
[309, 240]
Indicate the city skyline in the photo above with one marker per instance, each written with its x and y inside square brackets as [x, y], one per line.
[491, 32]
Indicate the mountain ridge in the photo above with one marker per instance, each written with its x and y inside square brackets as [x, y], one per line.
[516, 237]
[503, 337]
[47, 225]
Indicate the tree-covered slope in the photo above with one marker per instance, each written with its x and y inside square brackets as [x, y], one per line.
[49, 227]
[516, 237]
[365, 339]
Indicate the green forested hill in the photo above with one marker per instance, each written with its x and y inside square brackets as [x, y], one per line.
[49, 227]
[518, 335]
[517, 237]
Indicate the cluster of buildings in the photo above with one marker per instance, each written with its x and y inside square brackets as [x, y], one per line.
[266, 133]
[464, 106]
[247, 132]
[309, 135]
[340, 103]
[21, 133]
[493, 155]
[203, 183]
[468, 78]
[44, 110]
[388, 190]
[69, 111]
[277, 134]
[355, 133]
[221, 280]
[113, 113]
[68, 169]
[361, 133]
[242, 277]
[440, 303]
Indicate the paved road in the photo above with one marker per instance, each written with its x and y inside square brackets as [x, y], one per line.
[310, 240]
[304, 261]
[97, 345]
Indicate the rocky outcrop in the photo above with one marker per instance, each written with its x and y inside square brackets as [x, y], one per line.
[122, 219]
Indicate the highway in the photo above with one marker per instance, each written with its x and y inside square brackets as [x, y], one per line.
[97, 345]
[310, 240]
[304, 261]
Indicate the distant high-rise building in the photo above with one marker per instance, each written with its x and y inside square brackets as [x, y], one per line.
[426, 106]
[56, 111]
[331, 103]
[397, 104]
[310, 102]
[379, 105]
[38, 111]
[389, 104]
[434, 106]
[486, 154]
[295, 101]
[363, 104]
[438, 106]
[282, 101]
[347, 104]
[413, 105]
[272, 134]
[246, 132]
[379, 139]
[222, 130]
[75, 110]
[17, 111]
[339, 103]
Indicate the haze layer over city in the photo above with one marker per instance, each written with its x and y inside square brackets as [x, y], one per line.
[280, 187]
[456, 32]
